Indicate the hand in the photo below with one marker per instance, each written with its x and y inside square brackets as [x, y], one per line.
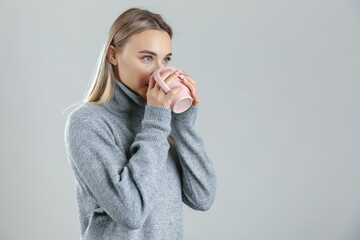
[191, 84]
[155, 95]
[187, 118]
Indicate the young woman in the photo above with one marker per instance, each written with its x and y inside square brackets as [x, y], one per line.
[134, 160]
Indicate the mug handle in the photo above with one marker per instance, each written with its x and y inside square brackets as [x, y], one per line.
[161, 82]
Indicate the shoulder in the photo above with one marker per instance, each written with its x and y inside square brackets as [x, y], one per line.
[86, 129]
[84, 112]
[86, 117]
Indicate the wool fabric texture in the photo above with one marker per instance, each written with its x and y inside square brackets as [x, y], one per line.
[134, 166]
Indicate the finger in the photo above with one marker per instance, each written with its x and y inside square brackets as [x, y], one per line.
[171, 78]
[164, 75]
[193, 92]
[165, 72]
[185, 74]
[151, 82]
[196, 101]
[152, 79]
[189, 85]
[188, 78]
[183, 78]
[157, 88]
[173, 91]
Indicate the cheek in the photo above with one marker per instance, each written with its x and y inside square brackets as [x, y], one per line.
[125, 71]
[128, 69]
[135, 72]
[143, 76]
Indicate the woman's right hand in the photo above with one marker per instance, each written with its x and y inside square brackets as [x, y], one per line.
[155, 95]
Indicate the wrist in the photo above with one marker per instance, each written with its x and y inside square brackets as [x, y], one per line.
[187, 117]
[157, 118]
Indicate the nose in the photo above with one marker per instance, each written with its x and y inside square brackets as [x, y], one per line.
[158, 65]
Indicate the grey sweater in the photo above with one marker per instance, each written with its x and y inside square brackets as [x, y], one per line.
[134, 165]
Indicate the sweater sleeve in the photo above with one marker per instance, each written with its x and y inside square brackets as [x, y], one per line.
[198, 178]
[124, 188]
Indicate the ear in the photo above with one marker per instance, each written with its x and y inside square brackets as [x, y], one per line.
[111, 54]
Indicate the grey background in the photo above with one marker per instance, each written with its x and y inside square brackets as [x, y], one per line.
[278, 83]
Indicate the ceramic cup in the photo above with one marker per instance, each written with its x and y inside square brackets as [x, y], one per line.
[182, 100]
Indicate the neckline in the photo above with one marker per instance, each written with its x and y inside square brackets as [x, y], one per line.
[124, 102]
[136, 98]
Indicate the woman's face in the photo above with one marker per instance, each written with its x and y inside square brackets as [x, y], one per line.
[141, 55]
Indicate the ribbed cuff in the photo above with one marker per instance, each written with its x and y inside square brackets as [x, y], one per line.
[188, 117]
[157, 117]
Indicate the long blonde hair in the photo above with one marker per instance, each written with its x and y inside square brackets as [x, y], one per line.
[130, 22]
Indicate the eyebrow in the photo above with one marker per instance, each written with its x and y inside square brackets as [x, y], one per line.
[152, 53]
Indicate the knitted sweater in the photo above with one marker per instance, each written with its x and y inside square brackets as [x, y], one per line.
[134, 165]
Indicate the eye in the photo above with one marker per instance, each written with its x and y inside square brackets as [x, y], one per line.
[147, 57]
[168, 59]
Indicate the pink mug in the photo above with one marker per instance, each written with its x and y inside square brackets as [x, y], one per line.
[182, 100]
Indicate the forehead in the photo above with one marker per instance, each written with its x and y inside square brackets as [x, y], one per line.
[153, 40]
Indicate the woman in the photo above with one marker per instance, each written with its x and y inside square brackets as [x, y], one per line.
[134, 160]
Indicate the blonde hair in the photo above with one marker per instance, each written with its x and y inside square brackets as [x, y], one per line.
[130, 22]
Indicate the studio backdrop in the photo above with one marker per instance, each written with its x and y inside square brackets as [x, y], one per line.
[278, 83]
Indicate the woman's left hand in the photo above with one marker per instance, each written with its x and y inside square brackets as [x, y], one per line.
[191, 84]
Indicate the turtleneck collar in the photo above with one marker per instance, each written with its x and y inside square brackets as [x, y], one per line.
[125, 102]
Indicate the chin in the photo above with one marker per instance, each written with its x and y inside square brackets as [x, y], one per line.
[143, 96]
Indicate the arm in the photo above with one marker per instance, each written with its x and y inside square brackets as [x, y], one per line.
[124, 188]
[199, 180]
